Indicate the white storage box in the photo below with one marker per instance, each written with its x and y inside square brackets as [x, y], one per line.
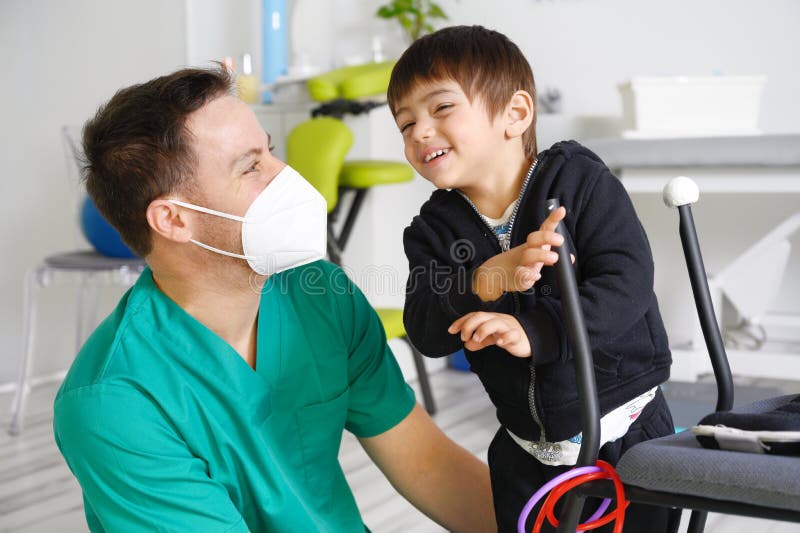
[691, 106]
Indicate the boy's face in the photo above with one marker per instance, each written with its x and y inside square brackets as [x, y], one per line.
[449, 140]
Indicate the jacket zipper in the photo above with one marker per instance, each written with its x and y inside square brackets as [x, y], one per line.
[514, 295]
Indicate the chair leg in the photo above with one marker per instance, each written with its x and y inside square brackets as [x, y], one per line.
[334, 251]
[697, 522]
[79, 325]
[33, 278]
[352, 214]
[424, 382]
[91, 319]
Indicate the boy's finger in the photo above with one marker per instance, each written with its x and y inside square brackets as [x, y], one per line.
[542, 238]
[532, 256]
[525, 277]
[490, 327]
[471, 324]
[455, 327]
[508, 337]
[553, 219]
[474, 346]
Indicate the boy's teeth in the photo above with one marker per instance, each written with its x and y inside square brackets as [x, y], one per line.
[434, 155]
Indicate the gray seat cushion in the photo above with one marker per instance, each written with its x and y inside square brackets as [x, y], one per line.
[90, 260]
[678, 464]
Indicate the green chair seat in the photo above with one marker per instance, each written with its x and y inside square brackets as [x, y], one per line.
[351, 82]
[392, 320]
[365, 174]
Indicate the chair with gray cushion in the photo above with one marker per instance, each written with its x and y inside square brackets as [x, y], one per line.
[759, 485]
[86, 269]
[676, 471]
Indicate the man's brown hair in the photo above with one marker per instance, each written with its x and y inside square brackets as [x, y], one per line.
[483, 62]
[137, 147]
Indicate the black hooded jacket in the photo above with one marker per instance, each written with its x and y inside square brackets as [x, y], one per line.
[448, 240]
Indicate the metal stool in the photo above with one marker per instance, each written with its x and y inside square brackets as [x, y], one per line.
[88, 265]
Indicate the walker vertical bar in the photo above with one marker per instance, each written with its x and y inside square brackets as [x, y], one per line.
[584, 373]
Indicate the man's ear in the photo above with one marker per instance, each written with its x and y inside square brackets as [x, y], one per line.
[519, 114]
[165, 219]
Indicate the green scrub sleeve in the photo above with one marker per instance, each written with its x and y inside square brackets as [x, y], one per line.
[136, 473]
[379, 397]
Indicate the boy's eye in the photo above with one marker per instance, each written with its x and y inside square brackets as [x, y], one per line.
[442, 107]
[405, 126]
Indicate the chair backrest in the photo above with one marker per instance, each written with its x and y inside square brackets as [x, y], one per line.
[316, 149]
[357, 81]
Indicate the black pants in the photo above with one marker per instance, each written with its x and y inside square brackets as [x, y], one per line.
[516, 475]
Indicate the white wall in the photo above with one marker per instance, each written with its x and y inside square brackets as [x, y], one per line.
[62, 59]
[586, 48]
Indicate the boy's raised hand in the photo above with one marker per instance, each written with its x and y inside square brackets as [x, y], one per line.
[480, 329]
[519, 268]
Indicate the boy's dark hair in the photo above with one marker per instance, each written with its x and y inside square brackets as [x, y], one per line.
[137, 148]
[482, 61]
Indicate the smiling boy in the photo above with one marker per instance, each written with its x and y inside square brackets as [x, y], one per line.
[479, 255]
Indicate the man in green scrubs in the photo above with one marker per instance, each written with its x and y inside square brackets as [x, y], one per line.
[214, 397]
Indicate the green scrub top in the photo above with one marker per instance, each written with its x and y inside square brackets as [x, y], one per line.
[167, 428]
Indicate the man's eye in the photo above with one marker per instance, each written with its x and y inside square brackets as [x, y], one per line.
[253, 167]
[271, 148]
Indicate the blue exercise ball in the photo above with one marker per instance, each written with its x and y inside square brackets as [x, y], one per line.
[101, 234]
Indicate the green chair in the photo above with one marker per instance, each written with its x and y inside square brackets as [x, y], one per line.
[357, 177]
[317, 148]
[351, 82]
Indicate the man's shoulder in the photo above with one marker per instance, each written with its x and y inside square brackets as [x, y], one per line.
[101, 358]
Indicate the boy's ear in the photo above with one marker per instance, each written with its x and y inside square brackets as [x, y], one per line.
[165, 219]
[519, 114]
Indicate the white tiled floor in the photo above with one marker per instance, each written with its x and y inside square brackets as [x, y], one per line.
[38, 493]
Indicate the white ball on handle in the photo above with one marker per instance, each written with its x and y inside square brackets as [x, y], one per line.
[681, 191]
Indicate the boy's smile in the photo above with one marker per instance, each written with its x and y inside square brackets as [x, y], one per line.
[452, 142]
[430, 155]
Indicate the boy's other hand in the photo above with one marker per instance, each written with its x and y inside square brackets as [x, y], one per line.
[481, 329]
[519, 268]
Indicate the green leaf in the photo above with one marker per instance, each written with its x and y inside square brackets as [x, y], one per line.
[434, 11]
[386, 12]
[413, 15]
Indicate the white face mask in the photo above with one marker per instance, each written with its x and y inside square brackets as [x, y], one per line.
[284, 227]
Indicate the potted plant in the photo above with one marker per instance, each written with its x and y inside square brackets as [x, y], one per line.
[414, 16]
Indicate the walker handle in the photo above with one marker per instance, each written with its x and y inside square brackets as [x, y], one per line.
[584, 371]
